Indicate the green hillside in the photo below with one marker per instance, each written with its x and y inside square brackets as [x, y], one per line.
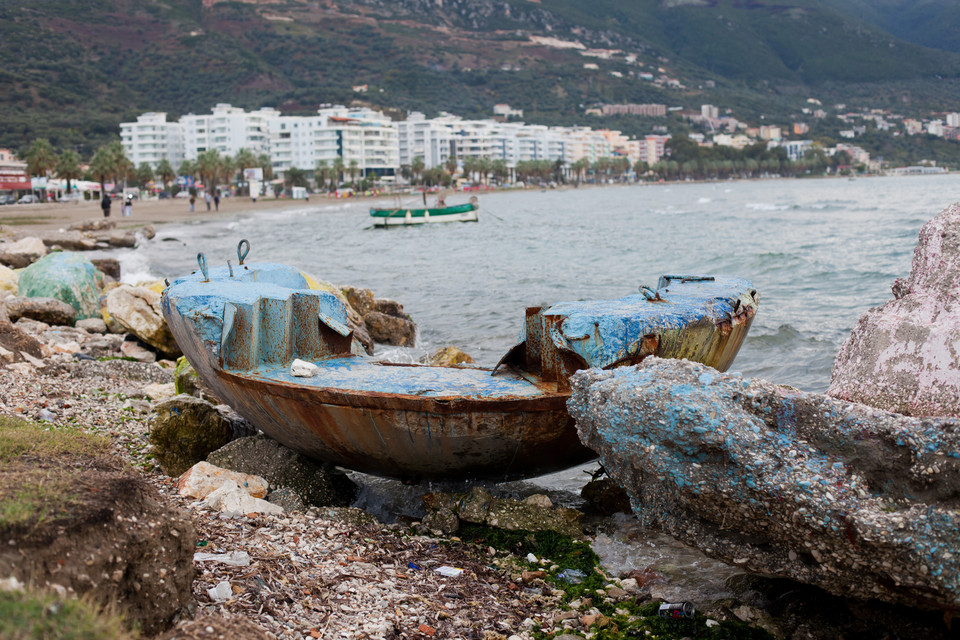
[74, 69]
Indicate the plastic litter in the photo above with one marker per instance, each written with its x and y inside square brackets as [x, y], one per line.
[573, 576]
[450, 572]
[234, 558]
[221, 592]
[676, 610]
[414, 567]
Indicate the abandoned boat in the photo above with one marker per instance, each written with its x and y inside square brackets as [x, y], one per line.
[243, 328]
[399, 216]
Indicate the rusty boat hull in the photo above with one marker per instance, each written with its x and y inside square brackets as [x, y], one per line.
[242, 330]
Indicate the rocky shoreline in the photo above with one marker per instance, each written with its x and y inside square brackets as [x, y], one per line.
[314, 571]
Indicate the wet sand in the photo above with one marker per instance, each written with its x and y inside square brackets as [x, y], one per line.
[22, 218]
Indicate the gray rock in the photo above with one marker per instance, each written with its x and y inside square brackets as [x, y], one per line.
[137, 350]
[14, 341]
[123, 370]
[902, 356]
[605, 497]
[184, 431]
[387, 329]
[288, 499]
[94, 224]
[47, 310]
[109, 266]
[389, 307]
[92, 325]
[316, 484]
[22, 253]
[481, 507]
[239, 426]
[69, 240]
[137, 309]
[860, 502]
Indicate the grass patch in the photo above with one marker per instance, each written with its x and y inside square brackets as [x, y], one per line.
[29, 614]
[19, 438]
[24, 220]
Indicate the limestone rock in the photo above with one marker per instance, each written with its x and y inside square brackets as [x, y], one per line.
[122, 239]
[857, 501]
[137, 309]
[203, 478]
[481, 507]
[109, 266]
[160, 391]
[231, 498]
[387, 329]
[184, 430]
[8, 280]
[66, 276]
[358, 298]
[389, 307]
[447, 357]
[14, 341]
[317, 484]
[92, 325]
[22, 253]
[69, 240]
[93, 224]
[903, 355]
[47, 310]
[133, 348]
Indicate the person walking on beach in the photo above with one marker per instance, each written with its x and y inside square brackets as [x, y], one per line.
[216, 201]
[207, 199]
[105, 205]
[128, 207]
[192, 200]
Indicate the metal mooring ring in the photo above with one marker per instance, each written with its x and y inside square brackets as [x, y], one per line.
[648, 293]
[241, 251]
[202, 261]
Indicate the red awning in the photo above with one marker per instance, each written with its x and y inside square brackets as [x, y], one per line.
[12, 183]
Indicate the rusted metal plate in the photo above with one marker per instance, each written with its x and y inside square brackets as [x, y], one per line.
[242, 330]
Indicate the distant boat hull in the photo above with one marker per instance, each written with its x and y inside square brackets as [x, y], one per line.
[399, 217]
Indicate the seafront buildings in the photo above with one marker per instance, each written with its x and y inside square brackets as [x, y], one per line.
[366, 141]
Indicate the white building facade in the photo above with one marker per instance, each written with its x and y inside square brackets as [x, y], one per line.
[151, 139]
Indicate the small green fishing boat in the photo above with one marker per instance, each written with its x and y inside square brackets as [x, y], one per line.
[399, 216]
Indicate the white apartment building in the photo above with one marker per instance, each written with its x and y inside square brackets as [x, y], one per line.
[228, 130]
[151, 139]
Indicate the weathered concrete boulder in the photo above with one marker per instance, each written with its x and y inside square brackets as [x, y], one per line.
[447, 357]
[184, 431]
[137, 310]
[535, 513]
[66, 276]
[317, 484]
[8, 280]
[903, 356]
[860, 502]
[46, 310]
[22, 253]
[387, 329]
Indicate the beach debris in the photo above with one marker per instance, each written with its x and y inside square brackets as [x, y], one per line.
[447, 357]
[860, 502]
[42, 309]
[66, 276]
[137, 310]
[315, 483]
[902, 356]
[234, 558]
[22, 253]
[303, 369]
[450, 572]
[184, 430]
[221, 592]
[479, 506]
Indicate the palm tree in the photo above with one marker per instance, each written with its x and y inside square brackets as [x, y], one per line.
[144, 174]
[417, 167]
[322, 174]
[103, 166]
[451, 165]
[187, 168]
[353, 169]
[68, 167]
[263, 161]
[123, 166]
[40, 157]
[165, 172]
[228, 169]
[338, 170]
[245, 159]
[580, 168]
[209, 164]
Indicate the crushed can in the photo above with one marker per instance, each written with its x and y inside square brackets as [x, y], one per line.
[676, 610]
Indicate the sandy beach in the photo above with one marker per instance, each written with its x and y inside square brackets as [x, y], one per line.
[60, 215]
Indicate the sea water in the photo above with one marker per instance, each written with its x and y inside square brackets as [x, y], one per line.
[819, 251]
